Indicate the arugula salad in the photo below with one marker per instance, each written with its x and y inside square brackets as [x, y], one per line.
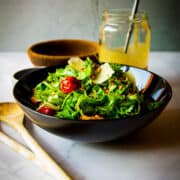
[87, 90]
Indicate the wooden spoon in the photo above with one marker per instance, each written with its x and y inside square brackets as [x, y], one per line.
[20, 149]
[11, 114]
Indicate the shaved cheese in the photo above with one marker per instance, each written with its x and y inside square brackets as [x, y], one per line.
[105, 73]
[76, 63]
[131, 77]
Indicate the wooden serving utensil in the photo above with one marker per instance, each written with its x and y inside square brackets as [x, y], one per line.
[12, 115]
[20, 149]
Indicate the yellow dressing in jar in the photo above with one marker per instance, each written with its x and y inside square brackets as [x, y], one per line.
[113, 33]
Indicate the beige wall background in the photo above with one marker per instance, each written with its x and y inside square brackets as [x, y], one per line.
[23, 22]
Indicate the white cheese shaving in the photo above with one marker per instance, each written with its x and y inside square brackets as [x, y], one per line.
[105, 73]
[76, 63]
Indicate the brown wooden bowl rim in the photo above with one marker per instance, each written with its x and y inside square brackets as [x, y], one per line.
[43, 56]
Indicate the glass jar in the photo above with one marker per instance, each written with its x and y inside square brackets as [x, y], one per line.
[113, 35]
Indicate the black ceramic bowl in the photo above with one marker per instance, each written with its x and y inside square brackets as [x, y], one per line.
[155, 88]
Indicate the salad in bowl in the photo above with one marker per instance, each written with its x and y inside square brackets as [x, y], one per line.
[88, 90]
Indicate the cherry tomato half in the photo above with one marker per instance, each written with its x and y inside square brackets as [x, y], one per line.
[69, 84]
[46, 110]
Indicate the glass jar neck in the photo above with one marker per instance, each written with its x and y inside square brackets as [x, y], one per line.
[116, 16]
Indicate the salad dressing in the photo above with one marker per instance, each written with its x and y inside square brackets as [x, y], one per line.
[112, 36]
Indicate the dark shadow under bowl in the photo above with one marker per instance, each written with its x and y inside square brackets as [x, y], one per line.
[155, 88]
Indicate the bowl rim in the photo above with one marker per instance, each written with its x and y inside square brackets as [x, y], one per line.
[83, 41]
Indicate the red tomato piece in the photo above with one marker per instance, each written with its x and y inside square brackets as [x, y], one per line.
[46, 110]
[69, 84]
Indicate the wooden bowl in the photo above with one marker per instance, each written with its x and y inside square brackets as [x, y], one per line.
[57, 52]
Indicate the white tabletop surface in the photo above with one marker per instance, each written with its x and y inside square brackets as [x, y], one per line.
[152, 154]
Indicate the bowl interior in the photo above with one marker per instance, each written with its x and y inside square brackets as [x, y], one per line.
[65, 48]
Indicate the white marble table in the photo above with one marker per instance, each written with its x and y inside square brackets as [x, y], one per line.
[152, 154]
